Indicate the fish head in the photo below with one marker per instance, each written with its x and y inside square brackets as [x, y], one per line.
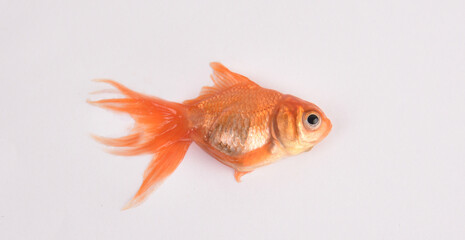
[298, 125]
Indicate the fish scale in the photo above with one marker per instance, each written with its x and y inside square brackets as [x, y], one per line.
[227, 119]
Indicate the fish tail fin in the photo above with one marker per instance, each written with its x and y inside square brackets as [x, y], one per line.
[161, 128]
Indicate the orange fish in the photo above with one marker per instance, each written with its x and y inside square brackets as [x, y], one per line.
[239, 123]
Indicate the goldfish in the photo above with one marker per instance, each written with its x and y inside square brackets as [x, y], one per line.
[236, 121]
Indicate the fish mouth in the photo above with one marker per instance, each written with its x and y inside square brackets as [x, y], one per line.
[328, 129]
[330, 126]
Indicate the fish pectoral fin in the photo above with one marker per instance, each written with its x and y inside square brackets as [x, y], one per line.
[238, 175]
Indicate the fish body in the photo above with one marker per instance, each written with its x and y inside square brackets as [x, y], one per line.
[235, 124]
[239, 123]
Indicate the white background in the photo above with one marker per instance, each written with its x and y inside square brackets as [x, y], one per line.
[389, 74]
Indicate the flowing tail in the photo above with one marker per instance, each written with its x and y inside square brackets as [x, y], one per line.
[161, 128]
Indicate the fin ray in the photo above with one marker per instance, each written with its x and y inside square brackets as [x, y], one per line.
[161, 128]
[223, 79]
[161, 166]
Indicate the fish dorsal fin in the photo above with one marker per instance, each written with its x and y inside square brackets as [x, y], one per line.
[223, 79]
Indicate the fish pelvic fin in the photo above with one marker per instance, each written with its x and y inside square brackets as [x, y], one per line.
[238, 175]
[161, 129]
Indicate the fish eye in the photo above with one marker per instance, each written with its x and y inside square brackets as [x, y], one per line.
[312, 120]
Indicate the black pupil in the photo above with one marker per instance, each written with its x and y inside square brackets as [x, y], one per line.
[312, 119]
